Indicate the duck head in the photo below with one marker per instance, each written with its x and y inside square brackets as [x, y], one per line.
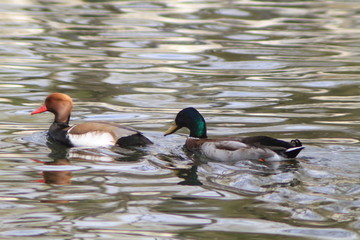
[191, 119]
[59, 104]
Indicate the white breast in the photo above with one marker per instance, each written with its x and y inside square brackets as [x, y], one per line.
[92, 139]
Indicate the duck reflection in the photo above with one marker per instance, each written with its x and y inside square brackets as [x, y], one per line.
[195, 170]
[55, 172]
[243, 177]
[56, 175]
[189, 175]
[59, 177]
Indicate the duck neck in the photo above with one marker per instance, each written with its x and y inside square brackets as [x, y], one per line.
[198, 129]
[62, 115]
[55, 126]
[62, 120]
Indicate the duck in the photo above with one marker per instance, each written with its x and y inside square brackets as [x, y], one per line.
[231, 149]
[87, 134]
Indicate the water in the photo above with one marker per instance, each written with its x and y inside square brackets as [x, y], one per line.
[289, 69]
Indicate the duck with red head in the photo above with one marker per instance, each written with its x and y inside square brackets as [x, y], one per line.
[89, 134]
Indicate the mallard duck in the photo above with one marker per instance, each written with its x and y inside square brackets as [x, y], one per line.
[261, 148]
[88, 134]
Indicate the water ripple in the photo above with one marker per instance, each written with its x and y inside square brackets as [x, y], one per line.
[284, 69]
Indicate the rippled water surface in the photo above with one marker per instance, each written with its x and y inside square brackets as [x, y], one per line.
[288, 69]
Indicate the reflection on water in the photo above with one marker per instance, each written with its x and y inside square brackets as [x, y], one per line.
[285, 69]
[57, 175]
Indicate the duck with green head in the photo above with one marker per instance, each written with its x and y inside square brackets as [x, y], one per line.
[261, 148]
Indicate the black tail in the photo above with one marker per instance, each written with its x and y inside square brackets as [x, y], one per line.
[133, 140]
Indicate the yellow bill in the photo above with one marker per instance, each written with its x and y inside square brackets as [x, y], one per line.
[173, 128]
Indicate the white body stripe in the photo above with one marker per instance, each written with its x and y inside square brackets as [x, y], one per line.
[92, 139]
[294, 149]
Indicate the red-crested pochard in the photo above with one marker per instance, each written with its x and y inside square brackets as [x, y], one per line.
[88, 134]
